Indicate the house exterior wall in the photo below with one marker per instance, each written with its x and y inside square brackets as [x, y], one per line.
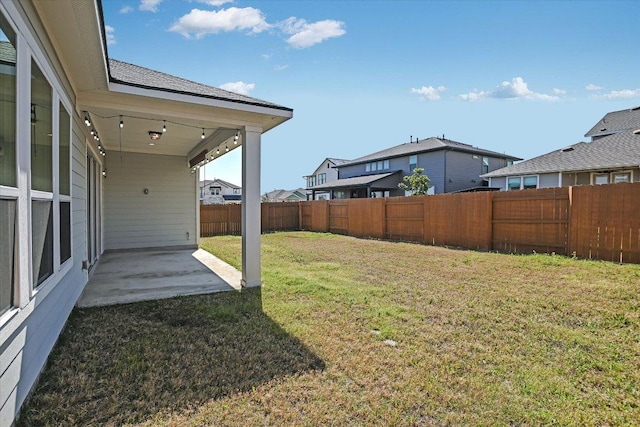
[134, 219]
[29, 336]
[498, 182]
[331, 174]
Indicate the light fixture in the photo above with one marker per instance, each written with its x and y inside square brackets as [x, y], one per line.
[202, 136]
[226, 148]
[121, 123]
[93, 131]
[218, 150]
[164, 126]
[155, 135]
[104, 173]
[86, 120]
[104, 153]
[235, 138]
[152, 144]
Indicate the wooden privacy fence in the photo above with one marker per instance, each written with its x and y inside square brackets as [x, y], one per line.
[594, 222]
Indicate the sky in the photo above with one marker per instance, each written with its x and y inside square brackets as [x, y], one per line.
[522, 78]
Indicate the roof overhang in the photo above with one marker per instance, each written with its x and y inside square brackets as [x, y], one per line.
[76, 32]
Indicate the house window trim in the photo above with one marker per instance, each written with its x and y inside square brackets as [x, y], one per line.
[621, 172]
[521, 178]
[596, 174]
[25, 297]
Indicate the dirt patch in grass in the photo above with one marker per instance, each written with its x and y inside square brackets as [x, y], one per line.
[481, 339]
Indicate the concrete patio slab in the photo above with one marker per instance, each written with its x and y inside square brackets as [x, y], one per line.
[133, 276]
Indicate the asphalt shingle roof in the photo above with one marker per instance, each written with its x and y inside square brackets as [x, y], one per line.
[614, 151]
[7, 52]
[134, 75]
[616, 121]
[353, 182]
[429, 144]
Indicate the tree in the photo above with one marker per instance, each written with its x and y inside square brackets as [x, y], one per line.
[417, 183]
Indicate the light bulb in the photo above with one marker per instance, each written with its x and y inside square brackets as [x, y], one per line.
[164, 126]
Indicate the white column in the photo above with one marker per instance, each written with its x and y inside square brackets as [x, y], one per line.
[251, 216]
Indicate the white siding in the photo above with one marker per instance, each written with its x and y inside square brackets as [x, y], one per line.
[166, 216]
[548, 180]
[28, 338]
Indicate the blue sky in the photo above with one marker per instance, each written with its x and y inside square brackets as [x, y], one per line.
[522, 78]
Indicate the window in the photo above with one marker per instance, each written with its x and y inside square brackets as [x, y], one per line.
[41, 131]
[42, 241]
[374, 166]
[509, 162]
[380, 165]
[367, 167]
[485, 165]
[413, 162]
[621, 177]
[529, 182]
[601, 178]
[7, 245]
[513, 183]
[322, 178]
[339, 195]
[236, 191]
[386, 164]
[311, 181]
[8, 171]
[215, 191]
[8, 105]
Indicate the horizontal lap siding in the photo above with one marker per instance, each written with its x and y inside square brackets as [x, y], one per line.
[24, 353]
[164, 217]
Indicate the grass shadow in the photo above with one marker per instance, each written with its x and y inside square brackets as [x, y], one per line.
[131, 363]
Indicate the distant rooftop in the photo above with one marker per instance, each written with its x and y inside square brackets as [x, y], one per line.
[616, 121]
[423, 145]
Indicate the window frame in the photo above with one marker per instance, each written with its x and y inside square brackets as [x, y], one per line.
[413, 162]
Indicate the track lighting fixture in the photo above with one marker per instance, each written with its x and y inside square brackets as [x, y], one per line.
[202, 136]
[121, 123]
[164, 126]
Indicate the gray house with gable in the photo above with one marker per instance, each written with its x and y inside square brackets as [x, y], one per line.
[451, 166]
[612, 156]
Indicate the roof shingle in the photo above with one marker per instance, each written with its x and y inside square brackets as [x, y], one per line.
[616, 121]
[614, 151]
[429, 144]
[134, 75]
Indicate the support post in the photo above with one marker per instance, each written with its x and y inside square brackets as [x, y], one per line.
[251, 218]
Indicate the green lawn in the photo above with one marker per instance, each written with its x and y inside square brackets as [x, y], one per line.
[480, 339]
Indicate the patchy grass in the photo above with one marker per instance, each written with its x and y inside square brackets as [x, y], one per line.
[482, 339]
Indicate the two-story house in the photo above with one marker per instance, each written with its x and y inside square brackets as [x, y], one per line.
[612, 156]
[324, 174]
[218, 191]
[451, 167]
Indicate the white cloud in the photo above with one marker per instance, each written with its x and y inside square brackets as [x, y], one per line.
[109, 33]
[557, 91]
[593, 87]
[149, 5]
[199, 23]
[517, 88]
[216, 3]
[267, 56]
[239, 87]
[622, 94]
[429, 93]
[474, 95]
[126, 9]
[281, 67]
[304, 34]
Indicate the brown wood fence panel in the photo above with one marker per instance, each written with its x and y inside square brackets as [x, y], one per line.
[315, 216]
[605, 222]
[531, 220]
[280, 216]
[339, 216]
[462, 220]
[405, 218]
[366, 218]
[220, 220]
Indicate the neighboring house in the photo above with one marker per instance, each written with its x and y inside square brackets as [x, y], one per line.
[298, 195]
[326, 173]
[67, 196]
[451, 166]
[613, 156]
[218, 191]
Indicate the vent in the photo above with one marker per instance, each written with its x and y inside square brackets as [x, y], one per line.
[636, 132]
[567, 149]
[603, 129]
[636, 108]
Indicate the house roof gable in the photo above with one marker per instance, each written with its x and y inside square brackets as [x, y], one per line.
[616, 121]
[354, 181]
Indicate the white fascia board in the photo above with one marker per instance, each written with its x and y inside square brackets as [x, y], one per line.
[192, 99]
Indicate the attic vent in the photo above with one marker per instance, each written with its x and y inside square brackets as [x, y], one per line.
[603, 129]
[567, 149]
[636, 108]
[636, 132]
